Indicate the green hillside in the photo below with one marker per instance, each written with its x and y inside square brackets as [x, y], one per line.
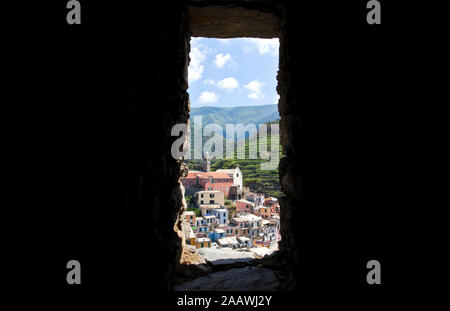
[235, 115]
[262, 181]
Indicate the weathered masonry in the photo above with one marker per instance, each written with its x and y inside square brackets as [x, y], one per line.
[116, 188]
[152, 177]
[149, 178]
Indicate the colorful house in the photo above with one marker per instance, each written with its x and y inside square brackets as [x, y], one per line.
[190, 217]
[229, 242]
[265, 212]
[209, 219]
[202, 242]
[202, 181]
[234, 173]
[209, 209]
[221, 216]
[244, 206]
[210, 197]
[216, 234]
[191, 238]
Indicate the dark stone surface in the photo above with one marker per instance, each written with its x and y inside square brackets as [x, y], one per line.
[228, 21]
[109, 189]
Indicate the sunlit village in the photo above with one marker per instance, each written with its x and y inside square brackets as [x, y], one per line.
[226, 214]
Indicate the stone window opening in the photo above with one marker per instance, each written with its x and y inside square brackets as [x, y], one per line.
[245, 21]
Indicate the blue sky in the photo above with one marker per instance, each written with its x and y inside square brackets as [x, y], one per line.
[233, 72]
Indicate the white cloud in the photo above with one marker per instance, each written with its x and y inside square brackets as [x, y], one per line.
[228, 84]
[196, 68]
[225, 41]
[208, 97]
[276, 98]
[209, 81]
[265, 45]
[195, 40]
[221, 60]
[255, 87]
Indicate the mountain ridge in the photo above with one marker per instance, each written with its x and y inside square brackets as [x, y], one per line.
[239, 114]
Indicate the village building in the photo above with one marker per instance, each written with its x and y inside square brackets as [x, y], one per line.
[244, 206]
[265, 212]
[273, 204]
[209, 209]
[234, 173]
[191, 238]
[209, 219]
[190, 217]
[200, 226]
[256, 198]
[247, 225]
[229, 229]
[270, 231]
[210, 197]
[234, 229]
[270, 201]
[230, 242]
[203, 242]
[202, 181]
[199, 221]
[216, 234]
[221, 216]
[275, 219]
[245, 241]
[261, 243]
[255, 222]
[235, 193]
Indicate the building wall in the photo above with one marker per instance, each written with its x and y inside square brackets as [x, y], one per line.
[130, 73]
[243, 206]
[145, 94]
[203, 244]
[190, 219]
[198, 184]
[222, 216]
[218, 197]
[237, 178]
[265, 212]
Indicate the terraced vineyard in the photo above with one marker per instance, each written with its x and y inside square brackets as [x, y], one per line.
[258, 180]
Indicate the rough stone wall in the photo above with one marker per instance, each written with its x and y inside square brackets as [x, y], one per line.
[150, 176]
[233, 19]
[290, 169]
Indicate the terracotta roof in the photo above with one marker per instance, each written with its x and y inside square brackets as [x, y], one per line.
[214, 175]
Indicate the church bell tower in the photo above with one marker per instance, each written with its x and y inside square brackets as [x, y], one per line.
[206, 162]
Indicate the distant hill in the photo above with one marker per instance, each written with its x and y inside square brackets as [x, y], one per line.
[236, 115]
[261, 181]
